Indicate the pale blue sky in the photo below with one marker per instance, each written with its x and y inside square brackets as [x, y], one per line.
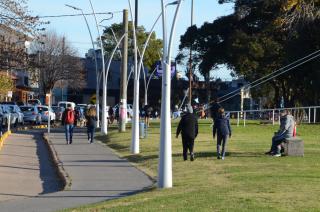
[76, 32]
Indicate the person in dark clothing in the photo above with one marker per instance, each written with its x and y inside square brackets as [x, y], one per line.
[222, 128]
[91, 117]
[68, 120]
[215, 106]
[147, 114]
[188, 126]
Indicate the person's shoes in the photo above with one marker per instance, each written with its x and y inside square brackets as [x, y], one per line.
[185, 159]
[218, 157]
[192, 157]
[89, 141]
[268, 153]
[67, 142]
[277, 155]
[222, 158]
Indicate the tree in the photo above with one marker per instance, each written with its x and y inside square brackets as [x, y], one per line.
[16, 26]
[6, 84]
[154, 49]
[55, 61]
[253, 42]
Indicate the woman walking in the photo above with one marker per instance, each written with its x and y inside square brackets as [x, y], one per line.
[91, 117]
[223, 130]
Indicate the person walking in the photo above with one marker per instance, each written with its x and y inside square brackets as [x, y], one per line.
[222, 128]
[214, 109]
[188, 126]
[91, 117]
[69, 120]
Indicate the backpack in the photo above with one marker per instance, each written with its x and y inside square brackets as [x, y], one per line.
[69, 117]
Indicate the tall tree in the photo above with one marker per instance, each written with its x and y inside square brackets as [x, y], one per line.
[153, 51]
[55, 60]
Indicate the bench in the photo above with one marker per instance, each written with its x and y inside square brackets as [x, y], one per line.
[293, 147]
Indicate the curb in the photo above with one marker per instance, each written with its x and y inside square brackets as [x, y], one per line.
[63, 175]
[33, 127]
[3, 138]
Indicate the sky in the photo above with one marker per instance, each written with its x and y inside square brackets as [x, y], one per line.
[76, 32]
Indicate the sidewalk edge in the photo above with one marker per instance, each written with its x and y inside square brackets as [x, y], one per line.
[63, 175]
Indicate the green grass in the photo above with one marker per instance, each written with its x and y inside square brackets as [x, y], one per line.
[247, 180]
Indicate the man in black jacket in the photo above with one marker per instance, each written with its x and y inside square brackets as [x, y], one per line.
[188, 126]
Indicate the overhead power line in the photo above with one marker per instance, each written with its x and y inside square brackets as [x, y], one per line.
[272, 75]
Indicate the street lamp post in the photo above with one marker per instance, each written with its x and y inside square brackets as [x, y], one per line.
[190, 61]
[165, 154]
[104, 121]
[95, 61]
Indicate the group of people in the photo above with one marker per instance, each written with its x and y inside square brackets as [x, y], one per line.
[69, 120]
[188, 127]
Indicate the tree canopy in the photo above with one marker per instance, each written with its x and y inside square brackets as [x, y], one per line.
[153, 50]
[258, 38]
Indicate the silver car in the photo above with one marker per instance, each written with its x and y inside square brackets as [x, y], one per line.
[7, 112]
[15, 110]
[31, 114]
[45, 112]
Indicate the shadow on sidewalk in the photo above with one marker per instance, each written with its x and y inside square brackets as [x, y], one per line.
[48, 174]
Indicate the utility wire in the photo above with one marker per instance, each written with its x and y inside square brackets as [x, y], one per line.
[283, 68]
[304, 60]
[274, 76]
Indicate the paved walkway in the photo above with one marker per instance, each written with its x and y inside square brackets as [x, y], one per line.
[97, 174]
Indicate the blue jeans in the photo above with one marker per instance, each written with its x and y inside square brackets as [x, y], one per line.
[69, 132]
[90, 132]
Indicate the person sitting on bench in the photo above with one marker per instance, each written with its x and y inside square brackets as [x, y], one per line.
[287, 124]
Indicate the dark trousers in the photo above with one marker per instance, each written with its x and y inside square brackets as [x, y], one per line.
[90, 133]
[276, 141]
[69, 132]
[222, 140]
[187, 144]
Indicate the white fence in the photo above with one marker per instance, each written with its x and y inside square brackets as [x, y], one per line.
[301, 115]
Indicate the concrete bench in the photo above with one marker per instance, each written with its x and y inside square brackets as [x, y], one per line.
[293, 147]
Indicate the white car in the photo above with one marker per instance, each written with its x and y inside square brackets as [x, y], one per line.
[43, 110]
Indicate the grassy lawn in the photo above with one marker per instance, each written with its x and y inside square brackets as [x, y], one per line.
[247, 180]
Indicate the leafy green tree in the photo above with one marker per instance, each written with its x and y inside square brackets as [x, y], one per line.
[6, 84]
[153, 51]
[253, 42]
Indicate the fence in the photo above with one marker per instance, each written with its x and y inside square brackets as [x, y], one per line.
[301, 115]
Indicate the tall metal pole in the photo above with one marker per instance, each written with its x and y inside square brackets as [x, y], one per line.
[104, 121]
[190, 61]
[124, 73]
[135, 119]
[136, 7]
[165, 154]
[96, 64]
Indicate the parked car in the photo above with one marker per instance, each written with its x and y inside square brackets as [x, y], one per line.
[34, 102]
[31, 114]
[45, 113]
[8, 113]
[65, 103]
[129, 110]
[15, 109]
[58, 111]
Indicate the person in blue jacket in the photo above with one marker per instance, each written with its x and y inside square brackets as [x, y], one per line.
[222, 128]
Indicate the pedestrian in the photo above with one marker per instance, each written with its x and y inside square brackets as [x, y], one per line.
[91, 117]
[214, 108]
[68, 120]
[188, 126]
[111, 115]
[147, 114]
[222, 128]
[286, 130]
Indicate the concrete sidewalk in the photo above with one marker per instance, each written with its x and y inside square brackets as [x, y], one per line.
[96, 174]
